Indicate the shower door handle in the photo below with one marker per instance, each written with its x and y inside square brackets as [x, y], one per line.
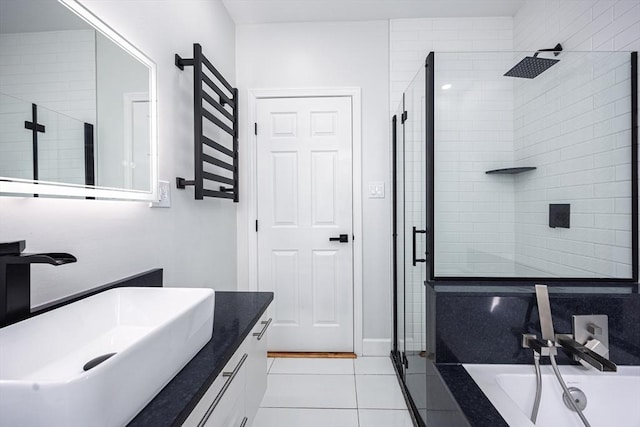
[416, 231]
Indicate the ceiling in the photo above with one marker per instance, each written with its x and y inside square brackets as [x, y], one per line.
[269, 11]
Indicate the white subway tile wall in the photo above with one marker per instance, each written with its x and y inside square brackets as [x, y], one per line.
[578, 135]
[56, 70]
[412, 39]
[459, 158]
[474, 212]
[572, 124]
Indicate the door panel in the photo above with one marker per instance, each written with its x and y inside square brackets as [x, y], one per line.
[285, 189]
[324, 181]
[284, 268]
[304, 199]
[325, 288]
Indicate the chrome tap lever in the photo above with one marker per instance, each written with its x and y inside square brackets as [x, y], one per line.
[587, 327]
[594, 329]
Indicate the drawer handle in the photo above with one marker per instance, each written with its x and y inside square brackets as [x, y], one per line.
[230, 376]
[266, 324]
[244, 422]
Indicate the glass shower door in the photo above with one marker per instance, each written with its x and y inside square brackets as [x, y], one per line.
[415, 238]
[398, 236]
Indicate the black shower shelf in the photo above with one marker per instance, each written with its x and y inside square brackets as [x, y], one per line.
[511, 171]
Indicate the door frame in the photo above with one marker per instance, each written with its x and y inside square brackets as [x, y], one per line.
[356, 152]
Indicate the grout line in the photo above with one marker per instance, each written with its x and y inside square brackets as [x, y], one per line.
[355, 385]
[312, 374]
[332, 409]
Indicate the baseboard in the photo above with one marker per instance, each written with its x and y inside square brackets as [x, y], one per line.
[376, 347]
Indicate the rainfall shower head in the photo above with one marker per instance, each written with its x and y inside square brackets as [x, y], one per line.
[532, 66]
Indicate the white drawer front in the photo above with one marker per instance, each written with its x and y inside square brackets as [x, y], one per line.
[257, 367]
[230, 410]
[229, 384]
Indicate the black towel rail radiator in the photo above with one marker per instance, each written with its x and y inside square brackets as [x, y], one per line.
[226, 119]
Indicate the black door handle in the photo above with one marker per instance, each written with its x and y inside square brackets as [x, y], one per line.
[344, 238]
[415, 260]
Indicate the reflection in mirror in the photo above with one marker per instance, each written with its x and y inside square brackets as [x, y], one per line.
[76, 102]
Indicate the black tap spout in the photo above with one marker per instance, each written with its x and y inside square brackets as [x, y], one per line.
[53, 258]
[15, 279]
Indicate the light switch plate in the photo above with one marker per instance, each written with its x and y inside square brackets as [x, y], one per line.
[164, 191]
[376, 190]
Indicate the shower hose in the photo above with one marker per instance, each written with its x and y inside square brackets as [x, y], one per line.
[536, 402]
[566, 390]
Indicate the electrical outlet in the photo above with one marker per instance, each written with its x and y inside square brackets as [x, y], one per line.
[164, 192]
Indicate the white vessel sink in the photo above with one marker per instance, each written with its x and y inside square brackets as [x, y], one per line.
[153, 331]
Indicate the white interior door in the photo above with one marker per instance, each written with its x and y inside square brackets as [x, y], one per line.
[305, 198]
[141, 164]
[137, 129]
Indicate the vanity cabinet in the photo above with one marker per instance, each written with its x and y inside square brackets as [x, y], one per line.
[235, 395]
[256, 379]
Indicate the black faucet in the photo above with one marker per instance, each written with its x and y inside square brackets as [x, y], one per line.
[15, 279]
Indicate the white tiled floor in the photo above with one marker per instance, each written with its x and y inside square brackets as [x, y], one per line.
[361, 392]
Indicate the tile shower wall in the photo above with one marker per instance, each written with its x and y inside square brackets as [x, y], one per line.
[577, 133]
[474, 211]
[55, 70]
[483, 137]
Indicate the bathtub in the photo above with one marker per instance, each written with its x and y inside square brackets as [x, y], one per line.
[613, 398]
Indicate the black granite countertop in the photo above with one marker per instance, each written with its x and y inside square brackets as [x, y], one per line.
[475, 406]
[235, 315]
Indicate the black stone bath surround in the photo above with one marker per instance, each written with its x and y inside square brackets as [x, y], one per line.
[477, 323]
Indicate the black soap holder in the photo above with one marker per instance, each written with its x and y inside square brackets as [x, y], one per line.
[559, 215]
[510, 171]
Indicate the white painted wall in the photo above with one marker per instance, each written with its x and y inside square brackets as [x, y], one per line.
[195, 241]
[578, 135]
[344, 54]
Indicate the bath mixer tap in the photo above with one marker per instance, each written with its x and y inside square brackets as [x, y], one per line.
[547, 347]
[583, 353]
[589, 342]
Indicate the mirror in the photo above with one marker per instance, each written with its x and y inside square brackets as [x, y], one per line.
[77, 105]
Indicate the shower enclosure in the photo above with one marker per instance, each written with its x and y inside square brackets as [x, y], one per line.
[509, 167]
